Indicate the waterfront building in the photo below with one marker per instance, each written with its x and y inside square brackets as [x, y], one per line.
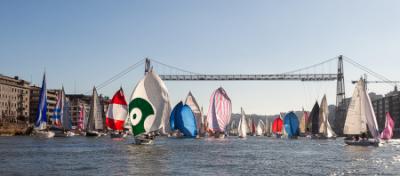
[14, 99]
[389, 103]
[76, 100]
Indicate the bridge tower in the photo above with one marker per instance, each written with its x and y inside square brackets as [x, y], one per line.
[147, 66]
[340, 90]
[341, 105]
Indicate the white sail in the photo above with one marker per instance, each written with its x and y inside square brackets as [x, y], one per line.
[95, 121]
[324, 126]
[284, 133]
[242, 128]
[260, 127]
[355, 123]
[149, 106]
[267, 126]
[192, 103]
[370, 116]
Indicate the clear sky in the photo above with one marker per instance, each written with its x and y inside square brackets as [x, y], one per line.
[83, 43]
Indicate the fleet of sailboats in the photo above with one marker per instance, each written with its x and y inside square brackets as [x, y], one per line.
[148, 115]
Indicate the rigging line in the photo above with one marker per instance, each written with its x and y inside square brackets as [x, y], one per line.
[374, 74]
[366, 69]
[118, 75]
[176, 68]
[311, 66]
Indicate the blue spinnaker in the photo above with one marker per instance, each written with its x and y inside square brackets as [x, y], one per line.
[174, 113]
[183, 119]
[291, 124]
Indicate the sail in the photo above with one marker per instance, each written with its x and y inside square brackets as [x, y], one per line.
[192, 103]
[291, 124]
[66, 117]
[324, 125]
[219, 111]
[184, 120]
[41, 116]
[253, 127]
[95, 120]
[267, 126]
[355, 123]
[314, 116]
[117, 111]
[387, 133]
[82, 117]
[58, 111]
[303, 122]
[242, 128]
[277, 125]
[366, 106]
[149, 106]
[260, 128]
[174, 113]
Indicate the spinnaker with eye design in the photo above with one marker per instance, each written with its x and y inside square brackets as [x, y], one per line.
[148, 108]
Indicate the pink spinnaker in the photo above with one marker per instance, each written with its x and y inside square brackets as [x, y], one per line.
[387, 133]
[219, 111]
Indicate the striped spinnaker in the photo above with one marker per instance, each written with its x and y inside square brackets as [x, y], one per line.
[219, 111]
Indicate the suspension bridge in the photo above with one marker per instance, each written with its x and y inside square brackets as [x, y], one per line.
[295, 75]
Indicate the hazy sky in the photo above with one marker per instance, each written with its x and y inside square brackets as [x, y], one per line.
[83, 43]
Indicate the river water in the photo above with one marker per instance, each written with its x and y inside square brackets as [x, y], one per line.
[168, 156]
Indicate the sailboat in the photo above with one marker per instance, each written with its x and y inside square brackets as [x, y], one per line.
[303, 124]
[267, 130]
[62, 123]
[183, 121]
[387, 133]
[253, 128]
[314, 117]
[277, 127]
[324, 126]
[116, 114]
[41, 116]
[242, 127]
[192, 103]
[82, 120]
[360, 114]
[291, 123]
[219, 113]
[233, 130]
[260, 128]
[94, 126]
[149, 108]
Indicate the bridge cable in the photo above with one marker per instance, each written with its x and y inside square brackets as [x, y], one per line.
[118, 75]
[369, 71]
[176, 68]
[311, 66]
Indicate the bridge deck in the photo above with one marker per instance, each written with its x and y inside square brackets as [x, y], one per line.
[249, 77]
